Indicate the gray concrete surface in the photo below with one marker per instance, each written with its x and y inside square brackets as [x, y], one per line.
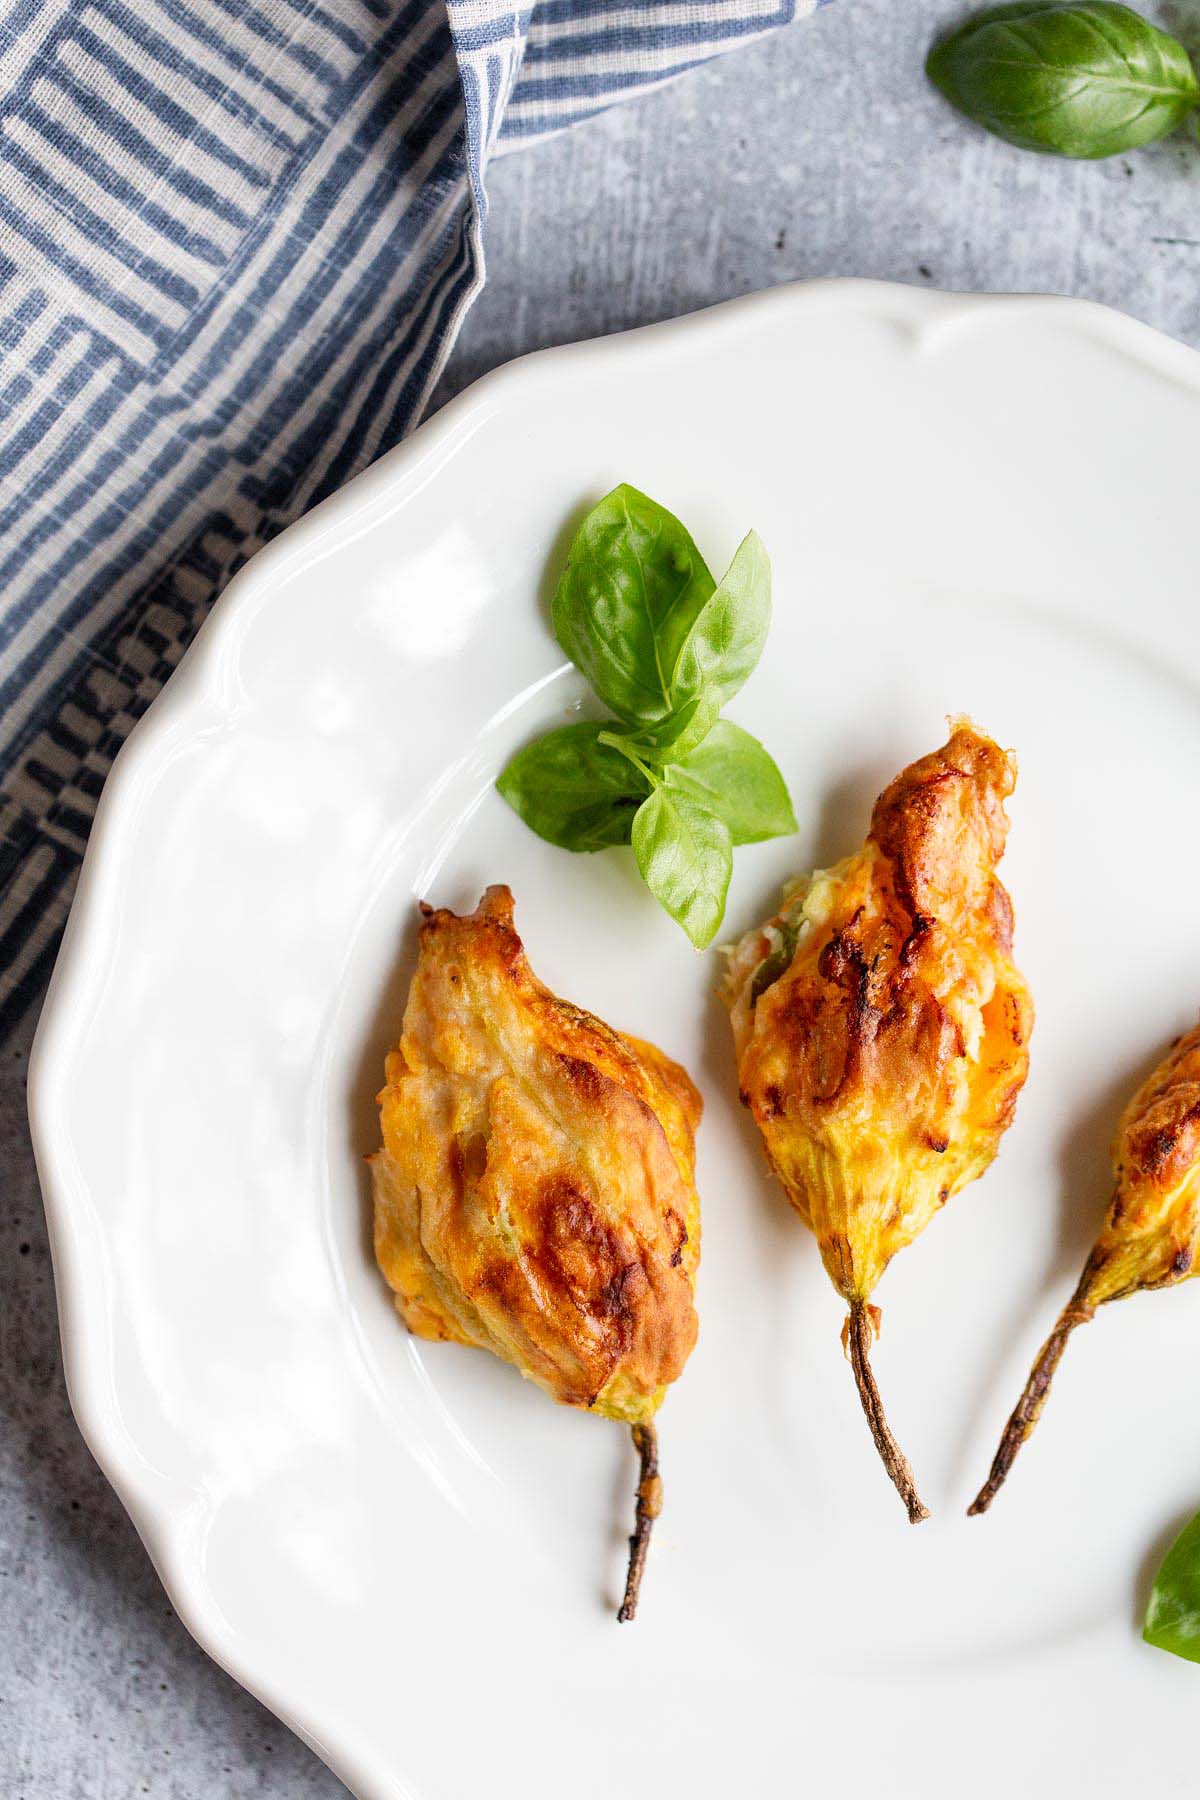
[819, 152]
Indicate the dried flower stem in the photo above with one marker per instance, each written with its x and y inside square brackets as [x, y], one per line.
[649, 1505]
[1028, 1409]
[856, 1339]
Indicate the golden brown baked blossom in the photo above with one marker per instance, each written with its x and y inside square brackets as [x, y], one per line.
[882, 1029]
[535, 1192]
[1151, 1235]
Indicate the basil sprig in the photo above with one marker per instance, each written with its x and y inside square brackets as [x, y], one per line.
[664, 646]
[1084, 78]
[1173, 1615]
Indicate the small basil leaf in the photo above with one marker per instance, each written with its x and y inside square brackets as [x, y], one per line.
[686, 728]
[1173, 1615]
[727, 636]
[633, 585]
[778, 961]
[734, 777]
[685, 855]
[574, 791]
[1081, 79]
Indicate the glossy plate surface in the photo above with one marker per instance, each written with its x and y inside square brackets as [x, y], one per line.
[981, 505]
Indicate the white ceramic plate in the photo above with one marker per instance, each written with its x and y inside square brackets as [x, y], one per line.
[971, 504]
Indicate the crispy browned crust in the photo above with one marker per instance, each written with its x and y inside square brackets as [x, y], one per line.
[534, 1194]
[1152, 1232]
[883, 1063]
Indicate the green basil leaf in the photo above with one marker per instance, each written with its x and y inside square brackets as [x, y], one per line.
[1173, 1615]
[734, 777]
[727, 636]
[680, 734]
[574, 791]
[721, 649]
[633, 586]
[686, 858]
[778, 961]
[1085, 80]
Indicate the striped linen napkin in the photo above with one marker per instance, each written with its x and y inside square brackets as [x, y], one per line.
[237, 238]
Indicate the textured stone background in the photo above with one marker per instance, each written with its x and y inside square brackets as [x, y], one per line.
[820, 152]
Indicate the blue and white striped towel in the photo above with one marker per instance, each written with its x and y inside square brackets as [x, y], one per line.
[237, 238]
